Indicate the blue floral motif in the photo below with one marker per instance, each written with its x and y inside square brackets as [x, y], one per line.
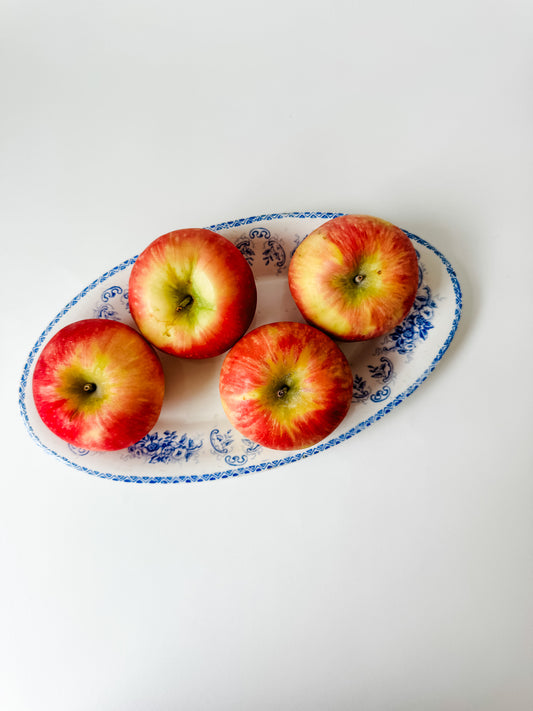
[236, 461]
[250, 447]
[415, 326]
[382, 372]
[360, 390]
[78, 450]
[381, 394]
[105, 309]
[259, 233]
[245, 247]
[220, 442]
[111, 292]
[274, 253]
[169, 447]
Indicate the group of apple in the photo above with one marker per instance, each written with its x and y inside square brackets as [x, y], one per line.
[99, 384]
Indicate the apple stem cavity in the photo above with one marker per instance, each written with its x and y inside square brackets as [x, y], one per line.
[184, 303]
[282, 392]
[89, 387]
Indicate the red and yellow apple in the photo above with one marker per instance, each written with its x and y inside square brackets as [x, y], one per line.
[97, 384]
[355, 277]
[285, 385]
[192, 293]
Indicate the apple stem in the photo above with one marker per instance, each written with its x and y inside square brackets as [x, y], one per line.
[282, 391]
[186, 301]
[359, 278]
[89, 387]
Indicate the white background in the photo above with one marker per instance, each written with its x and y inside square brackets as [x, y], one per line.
[392, 573]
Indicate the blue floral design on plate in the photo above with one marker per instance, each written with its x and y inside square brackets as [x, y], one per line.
[274, 253]
[383, 371]
[111, 292]
[416, 326]
[220, 441]
[109, 306]
[360, 389]
[245, 247]
[165, 448]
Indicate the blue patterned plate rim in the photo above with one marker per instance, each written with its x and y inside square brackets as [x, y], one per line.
[283, 458]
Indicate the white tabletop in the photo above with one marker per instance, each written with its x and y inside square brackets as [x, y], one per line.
[393, 572]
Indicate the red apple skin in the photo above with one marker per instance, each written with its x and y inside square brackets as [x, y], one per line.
[206, 267]
[325, 265]
[297, 356]
[128, 379]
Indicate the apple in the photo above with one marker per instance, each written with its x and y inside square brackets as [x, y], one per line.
[355, 277]
[97, 384]
[192, 293]
[285, 385]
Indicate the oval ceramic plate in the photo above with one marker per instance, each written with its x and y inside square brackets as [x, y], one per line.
[193, 440]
